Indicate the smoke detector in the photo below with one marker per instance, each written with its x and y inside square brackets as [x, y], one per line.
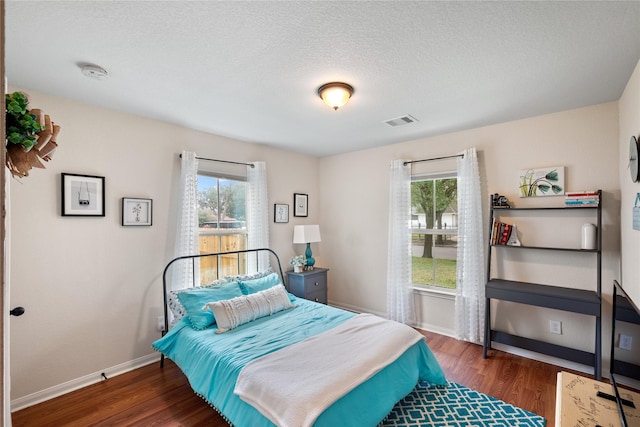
[93, 71]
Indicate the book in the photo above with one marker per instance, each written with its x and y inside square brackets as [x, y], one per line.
[501, 233]
[582, 193]
[582, 199]
[581, 202]
[506, 233]
[513, 237]
[494, 231]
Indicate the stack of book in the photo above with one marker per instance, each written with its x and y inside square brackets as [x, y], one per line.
[504, 234]
[582, 198]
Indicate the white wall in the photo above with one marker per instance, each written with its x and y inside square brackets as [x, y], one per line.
[92, 288]
[629, 125]
[629, 111]
[354, 191]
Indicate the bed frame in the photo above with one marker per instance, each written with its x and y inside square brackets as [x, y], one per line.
[196, 275]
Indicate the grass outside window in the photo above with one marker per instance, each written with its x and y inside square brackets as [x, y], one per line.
[445, 270]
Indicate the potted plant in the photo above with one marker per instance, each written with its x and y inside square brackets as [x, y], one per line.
[22, 126]
[30, 135]
[297, 262]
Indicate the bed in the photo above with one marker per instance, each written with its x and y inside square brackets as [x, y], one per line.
[261, 356]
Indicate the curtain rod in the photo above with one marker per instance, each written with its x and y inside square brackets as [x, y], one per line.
[434, 158]
[224, 161]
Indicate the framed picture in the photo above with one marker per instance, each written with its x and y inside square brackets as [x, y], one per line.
[542, 182]
[82, 195]
[136, 211]
[280, 213]
[300, 204]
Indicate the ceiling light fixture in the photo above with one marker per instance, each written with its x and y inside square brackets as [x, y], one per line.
[335, 94]
[94, 72]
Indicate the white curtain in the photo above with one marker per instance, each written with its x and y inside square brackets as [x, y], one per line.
[471, 268]
[187, 224]
[399, 287]
[257, 209]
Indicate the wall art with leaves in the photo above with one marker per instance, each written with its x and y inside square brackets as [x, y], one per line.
[542, 182]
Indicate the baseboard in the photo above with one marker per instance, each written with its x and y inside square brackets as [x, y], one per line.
[436, 329]
[497, 346]
[567, 364]
[78, 383]
[424, 326]
[356, 309]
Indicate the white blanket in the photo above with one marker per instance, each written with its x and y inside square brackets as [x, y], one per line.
[293, 386]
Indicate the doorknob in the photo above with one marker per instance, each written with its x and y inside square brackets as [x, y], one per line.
[18, 311]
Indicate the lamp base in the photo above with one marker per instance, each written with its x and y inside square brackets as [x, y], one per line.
[310, 261]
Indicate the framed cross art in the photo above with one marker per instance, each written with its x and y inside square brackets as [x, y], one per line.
[136, 211]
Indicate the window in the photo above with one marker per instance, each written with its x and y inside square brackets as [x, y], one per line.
[222, 225]
[434, 229]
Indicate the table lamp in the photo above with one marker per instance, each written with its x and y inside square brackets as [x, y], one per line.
[307, 234]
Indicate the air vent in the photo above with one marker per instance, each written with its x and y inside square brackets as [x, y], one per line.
[399, 121]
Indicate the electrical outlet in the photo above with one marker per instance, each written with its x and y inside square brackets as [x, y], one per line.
[160, 324]
[625, 342]
[555, 327]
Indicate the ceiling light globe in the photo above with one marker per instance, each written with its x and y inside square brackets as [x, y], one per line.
[335, 94]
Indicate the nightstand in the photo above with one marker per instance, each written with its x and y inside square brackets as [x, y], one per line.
[311, 285]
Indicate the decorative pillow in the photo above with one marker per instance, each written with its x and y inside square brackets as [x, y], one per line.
[194, 299]
[259, 284]
[231, 313]
[177, 309]
[243, 277]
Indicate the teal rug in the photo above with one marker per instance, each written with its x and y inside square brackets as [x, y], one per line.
[457, 406]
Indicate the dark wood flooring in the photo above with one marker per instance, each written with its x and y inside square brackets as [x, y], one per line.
[150, 396]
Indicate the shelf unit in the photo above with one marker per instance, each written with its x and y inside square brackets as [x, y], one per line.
[554, 297]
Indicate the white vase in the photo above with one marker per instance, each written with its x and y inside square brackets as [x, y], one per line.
[589, 236]
[297, 268]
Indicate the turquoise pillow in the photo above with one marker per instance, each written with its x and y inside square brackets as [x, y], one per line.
[261, 284]
[195, 299]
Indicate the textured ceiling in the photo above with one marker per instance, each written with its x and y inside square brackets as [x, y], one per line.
[250, 70]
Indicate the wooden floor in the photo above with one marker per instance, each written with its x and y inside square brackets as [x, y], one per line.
[151, 396]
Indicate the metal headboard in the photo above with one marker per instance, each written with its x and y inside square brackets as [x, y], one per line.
[196, 275]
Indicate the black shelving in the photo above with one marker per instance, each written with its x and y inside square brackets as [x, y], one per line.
[547, 248]
[555, 297]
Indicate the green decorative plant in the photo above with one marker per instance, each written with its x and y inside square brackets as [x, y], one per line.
[22, 126]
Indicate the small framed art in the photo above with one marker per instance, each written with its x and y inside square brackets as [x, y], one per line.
[300, 204]
[136, 211]
[280, 213]
[82, 195]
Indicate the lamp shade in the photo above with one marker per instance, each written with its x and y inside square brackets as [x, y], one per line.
[306, 233]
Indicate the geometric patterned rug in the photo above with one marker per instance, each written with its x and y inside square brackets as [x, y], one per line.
[457, 406]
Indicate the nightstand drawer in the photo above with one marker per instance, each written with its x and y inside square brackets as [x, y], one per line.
[317, 296]
[315, 283]
[311, 285]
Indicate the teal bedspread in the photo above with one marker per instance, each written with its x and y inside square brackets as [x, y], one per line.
[212, 363]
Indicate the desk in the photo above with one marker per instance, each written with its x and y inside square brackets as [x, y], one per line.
[577, 404]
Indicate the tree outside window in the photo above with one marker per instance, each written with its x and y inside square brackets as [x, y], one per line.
[434, 230]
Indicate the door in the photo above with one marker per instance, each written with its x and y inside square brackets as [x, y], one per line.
[4, 288]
